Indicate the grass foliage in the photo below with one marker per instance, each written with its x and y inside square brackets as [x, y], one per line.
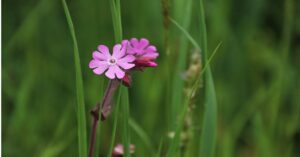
[207, 99]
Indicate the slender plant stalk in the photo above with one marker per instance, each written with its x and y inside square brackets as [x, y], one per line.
[115, 124]
[208, 136]
[95, 115]
[116, 18]
[177, 82]
[98, 141]
[186, 34]
[176, 138]
[125, 130]
[105, 108]
[117, 24]
[166, 13]
[81, 119]
[175, 141]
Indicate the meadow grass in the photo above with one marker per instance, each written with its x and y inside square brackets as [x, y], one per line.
[208, 136]
[112, 141]
[81, 116]
[244, 102]
[117, 24]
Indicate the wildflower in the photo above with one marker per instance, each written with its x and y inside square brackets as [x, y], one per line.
[115, 63]
[145, 54]
[119, 150]
[128, 56]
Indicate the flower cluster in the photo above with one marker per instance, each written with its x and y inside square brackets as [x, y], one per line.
[130, 55]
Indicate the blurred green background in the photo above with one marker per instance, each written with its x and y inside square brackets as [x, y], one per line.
[256, 74]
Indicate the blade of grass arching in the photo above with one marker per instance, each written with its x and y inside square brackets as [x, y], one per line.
[142, 134]
[112, 141]
[208, 136]
[81, 119]
[175, 141]
[177, 102]
[210, 58]
[177, 82]
[196, 45]
[187, 34]
[117, 24]
[209, 127]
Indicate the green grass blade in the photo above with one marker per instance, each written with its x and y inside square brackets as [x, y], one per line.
[208, 136]
[116, 18]
[117, 23]
[98, 135]
[125, 130]
[203, 34]
[186, 33]
[176, 139]
[177, 82]
[261, 138]
[142, 134]
[210, 58]
[112, 141]
[82, 136]
[159, 148]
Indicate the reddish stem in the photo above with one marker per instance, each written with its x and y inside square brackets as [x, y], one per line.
[105, 111]
[95, 114]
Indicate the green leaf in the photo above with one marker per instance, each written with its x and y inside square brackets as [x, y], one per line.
[117, 24]
[186, 33]
[142, 134]
[81, 119]
[208, 136]
[112, 140]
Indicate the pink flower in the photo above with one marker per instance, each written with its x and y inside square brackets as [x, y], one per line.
[116, 63]
[119, 150]
[144, 53]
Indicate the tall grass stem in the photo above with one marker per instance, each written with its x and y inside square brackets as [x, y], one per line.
[81, 117]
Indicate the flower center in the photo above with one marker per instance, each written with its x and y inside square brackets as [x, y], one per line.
[112, 61]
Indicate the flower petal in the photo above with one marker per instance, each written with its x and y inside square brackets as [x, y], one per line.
[118, 51]
[128, 58]
[110, 73]
[96, 63]
[104, 50]
[125, 42]
[128, 48]
[151, 55]
[120, 74]
[100, 70]
[134, 42]
[143, 43]
[151, 49]
[99, 56]
[114, 71]
[126, 65]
